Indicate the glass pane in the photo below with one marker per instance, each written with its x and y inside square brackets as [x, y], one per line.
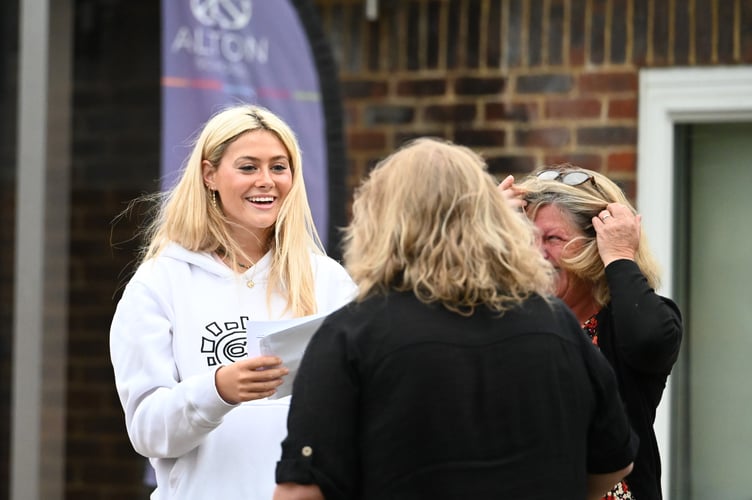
[719, 344]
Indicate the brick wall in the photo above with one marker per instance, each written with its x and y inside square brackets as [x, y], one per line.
[115, 159]
[527, 82]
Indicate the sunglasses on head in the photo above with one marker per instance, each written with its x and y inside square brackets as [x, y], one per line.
[571, 178]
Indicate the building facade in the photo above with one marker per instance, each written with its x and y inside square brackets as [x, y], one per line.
[653, 93]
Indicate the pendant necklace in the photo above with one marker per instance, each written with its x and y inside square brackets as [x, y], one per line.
[249, 283]
[246, 267]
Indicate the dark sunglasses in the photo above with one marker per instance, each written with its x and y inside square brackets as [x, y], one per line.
[571, 178]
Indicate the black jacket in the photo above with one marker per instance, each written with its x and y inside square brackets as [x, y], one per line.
[398, 400]
[640, 332]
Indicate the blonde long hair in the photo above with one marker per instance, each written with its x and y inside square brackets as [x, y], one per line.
[185, 214]
[580, 204]
[429, 219]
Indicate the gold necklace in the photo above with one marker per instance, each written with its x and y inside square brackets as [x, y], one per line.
[249, 283]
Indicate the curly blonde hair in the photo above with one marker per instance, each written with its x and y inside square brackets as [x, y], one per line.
[429, 219]
[580, 204]
[186, 215]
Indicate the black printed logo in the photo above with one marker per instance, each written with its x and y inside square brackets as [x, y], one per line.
[224, 343]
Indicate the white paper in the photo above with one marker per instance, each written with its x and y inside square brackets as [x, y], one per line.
[286, 339]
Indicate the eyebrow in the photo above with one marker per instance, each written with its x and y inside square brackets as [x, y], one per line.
[253, 158]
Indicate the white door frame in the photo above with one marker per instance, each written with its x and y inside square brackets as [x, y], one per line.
[668, 97]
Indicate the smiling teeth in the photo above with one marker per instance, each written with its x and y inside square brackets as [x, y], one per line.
[262, 199]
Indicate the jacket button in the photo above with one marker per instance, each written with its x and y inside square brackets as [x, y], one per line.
[307, 451]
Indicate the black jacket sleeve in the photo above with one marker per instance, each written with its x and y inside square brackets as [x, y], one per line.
[647, 326]
[321, 445]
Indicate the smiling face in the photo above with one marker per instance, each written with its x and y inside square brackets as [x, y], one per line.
[555, 231]
[252, 180]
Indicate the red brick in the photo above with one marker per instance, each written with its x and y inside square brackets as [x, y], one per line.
[746, 31]
[661, 31]
[505, 165]
[606, 136]
[608, 82]
[421, 87]
[725, 36]
[366, 140]
[589, 161]
[640, 19]
[402, 137]
[515, 111]
[479, 86]
[629, 186]
[450, 113]
[573, 108]
[555, 83]
[577, 55]
[577, 33]
[556, 18]
[597, 31]
[475, 137]
[622, 108]
[548, 137]
[618, 31]
[364, 88]
[622, 162]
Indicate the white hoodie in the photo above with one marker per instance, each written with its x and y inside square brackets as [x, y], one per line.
[182, 315]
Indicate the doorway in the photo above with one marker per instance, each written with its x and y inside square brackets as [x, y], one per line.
[714, 449]
[692, 124]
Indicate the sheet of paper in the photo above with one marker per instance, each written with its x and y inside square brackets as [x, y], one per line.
[287, 339]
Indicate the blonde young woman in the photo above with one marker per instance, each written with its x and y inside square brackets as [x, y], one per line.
[452, 375]
[232, 243]
[607, 275]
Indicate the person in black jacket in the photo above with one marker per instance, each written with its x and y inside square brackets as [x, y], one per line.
[606, 274]
[454, 373]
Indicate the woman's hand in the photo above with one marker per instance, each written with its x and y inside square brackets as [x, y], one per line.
[617, 233]
[512, 194]
[249, 379]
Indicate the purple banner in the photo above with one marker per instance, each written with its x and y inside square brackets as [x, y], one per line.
[220, 52]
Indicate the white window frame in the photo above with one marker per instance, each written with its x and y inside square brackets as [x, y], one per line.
[668, 97]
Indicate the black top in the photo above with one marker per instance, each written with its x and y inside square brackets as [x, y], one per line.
[396, 399]
[640, 332]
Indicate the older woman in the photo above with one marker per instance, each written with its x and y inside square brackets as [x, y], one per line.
[454, 374]
[605, 273]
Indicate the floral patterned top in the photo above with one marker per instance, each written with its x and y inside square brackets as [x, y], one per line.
[621, 491]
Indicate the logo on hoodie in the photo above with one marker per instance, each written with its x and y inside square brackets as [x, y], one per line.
[224, 343]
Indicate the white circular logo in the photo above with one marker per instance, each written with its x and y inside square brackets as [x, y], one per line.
[224, 14]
